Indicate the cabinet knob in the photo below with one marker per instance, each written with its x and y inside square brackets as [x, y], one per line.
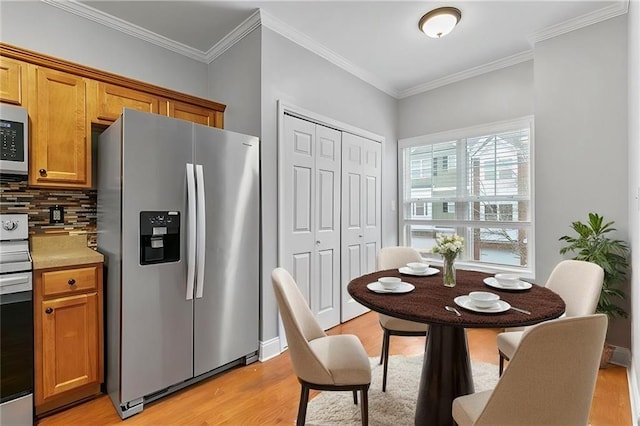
[43, 172]
[71, 281]
[48, 310]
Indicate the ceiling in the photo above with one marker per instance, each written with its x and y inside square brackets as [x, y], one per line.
[378, 41]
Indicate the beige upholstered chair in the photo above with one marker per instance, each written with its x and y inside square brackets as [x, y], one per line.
[390, 258]
[578, 283]
[321, 362]
[550, 379]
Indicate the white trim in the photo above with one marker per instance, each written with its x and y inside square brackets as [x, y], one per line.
[319, 49]
[296, 111]
[237, 34]
[634, 392]
[495, 127]
[456, 134]
[125, 27]
[527, 55]
[269, 349]
[616, 9]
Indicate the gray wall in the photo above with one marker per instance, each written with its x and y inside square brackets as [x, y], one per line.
[47, 29]
[576, 88]
[495, 96]
[581, 139]
[234, 80]
[298, 77]
[634, 190]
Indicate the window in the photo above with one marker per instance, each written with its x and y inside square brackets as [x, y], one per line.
[475, 182]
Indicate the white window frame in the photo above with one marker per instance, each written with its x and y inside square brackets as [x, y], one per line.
[465, 133]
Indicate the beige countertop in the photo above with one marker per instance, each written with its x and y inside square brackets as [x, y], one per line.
[56, 251]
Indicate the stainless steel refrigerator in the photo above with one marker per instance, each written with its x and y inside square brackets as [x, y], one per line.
[178, 223]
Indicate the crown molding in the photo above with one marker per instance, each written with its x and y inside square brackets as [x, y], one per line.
[237, 34]
[118, 24]
[527, 55]
[260, 17]
[308, 43]
[619, 8]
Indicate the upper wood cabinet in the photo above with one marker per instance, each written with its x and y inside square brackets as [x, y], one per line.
[11, 81]
[65, 100]
[60, 150]
[194, 113]
[110, 99]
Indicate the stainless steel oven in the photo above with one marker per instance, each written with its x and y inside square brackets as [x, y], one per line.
[16, 322]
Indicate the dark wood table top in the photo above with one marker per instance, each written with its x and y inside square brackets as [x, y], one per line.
[426, 303]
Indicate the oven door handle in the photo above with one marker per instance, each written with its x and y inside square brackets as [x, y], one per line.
[15, 283]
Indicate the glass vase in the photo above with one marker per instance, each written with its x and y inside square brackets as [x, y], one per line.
[449, 272]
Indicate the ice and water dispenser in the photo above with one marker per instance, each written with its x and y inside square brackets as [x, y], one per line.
[159, 237]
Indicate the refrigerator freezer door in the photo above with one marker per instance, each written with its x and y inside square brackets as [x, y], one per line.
[226, 317]
[157, 321]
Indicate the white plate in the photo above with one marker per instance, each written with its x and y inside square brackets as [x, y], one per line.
[492, 282]
[401, 288]
[408, 271]
[465, 302]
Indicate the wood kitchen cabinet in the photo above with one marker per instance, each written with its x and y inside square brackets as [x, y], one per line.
[60, 149]
[64, 100]
[68, 335]
[193, 113]
[12, 77]
[107, 100]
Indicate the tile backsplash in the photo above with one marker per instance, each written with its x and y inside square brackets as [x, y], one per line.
[79, 207]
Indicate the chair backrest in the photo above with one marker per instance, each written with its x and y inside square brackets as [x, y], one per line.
[551, 376]
[396, 257]
[300, 326]
[579, 284]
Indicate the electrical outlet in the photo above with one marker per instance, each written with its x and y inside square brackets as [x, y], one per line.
[56, 214]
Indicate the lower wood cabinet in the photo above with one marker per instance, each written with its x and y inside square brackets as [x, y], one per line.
[69, 335]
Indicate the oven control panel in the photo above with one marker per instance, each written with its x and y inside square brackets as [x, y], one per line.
[14, 227]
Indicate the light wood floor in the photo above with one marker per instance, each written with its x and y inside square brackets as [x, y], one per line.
[267, 393]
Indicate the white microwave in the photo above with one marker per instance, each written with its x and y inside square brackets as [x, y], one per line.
[14, 140]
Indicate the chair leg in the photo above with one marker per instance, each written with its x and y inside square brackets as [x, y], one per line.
[302, 408]
[385, 344]
[386, 360]
[364, 407]
[501, 365]
[355, 397]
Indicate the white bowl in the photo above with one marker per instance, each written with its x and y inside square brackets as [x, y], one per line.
[483, 299]
[418, 267]
[389, 283]
[507, 280]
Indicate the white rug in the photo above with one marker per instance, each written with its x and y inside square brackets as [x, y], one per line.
[394, 407]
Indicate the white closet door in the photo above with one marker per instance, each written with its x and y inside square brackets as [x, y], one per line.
[310, 221]
[360, 214]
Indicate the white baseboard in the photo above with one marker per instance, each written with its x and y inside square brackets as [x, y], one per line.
[269, 349]
[634, 392]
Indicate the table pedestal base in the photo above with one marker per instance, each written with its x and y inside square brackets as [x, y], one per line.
[446, 374]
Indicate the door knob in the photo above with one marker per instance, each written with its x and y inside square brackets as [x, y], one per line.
[318, 243]
[43, 172]
[71, 281]
[49, 310]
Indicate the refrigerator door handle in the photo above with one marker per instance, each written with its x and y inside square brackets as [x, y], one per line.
[202, 230]
[191, 234]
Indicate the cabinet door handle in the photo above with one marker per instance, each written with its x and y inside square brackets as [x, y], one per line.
[49, 310]
[43, 172]
[71, 281]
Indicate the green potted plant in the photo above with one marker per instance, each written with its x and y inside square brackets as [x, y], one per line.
[593, 245]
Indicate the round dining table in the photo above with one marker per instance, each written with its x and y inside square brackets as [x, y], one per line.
[446, 371]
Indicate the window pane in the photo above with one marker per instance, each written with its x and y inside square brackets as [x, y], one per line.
[503, 246]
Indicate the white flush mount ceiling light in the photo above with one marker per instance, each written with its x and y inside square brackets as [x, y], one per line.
[439, 22]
